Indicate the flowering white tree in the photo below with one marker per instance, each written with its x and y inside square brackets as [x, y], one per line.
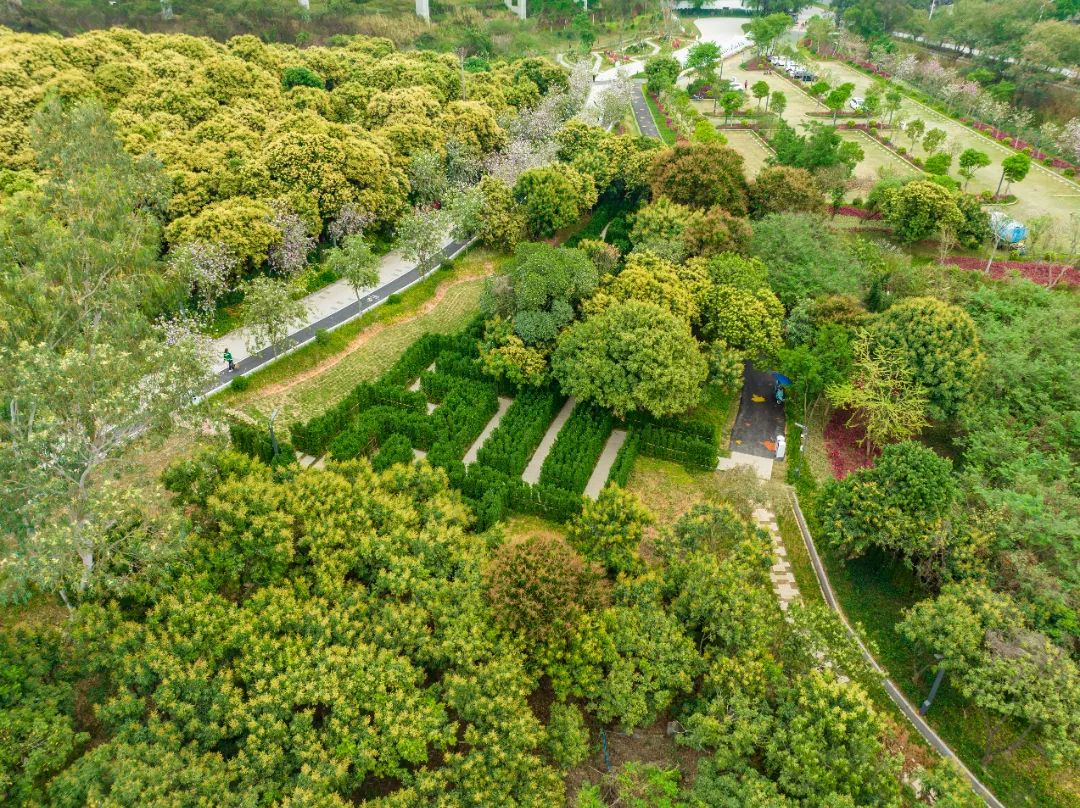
[206, 269]
[350, 221]
[289, 255]
[1069, 140]
[270, 312]
[70, 415]
[420, 236]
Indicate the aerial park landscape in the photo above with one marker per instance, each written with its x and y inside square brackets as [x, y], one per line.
[555, 404]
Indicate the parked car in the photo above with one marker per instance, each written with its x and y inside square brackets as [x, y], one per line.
[855, 102]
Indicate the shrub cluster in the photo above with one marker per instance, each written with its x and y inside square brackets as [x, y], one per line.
[577, 448]
[255, 442]
[467, 406]
[692, 444]
[510, 446]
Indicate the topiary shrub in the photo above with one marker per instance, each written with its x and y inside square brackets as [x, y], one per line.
[395, 449]
[301, 77]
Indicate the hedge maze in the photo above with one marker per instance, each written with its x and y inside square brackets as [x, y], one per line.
[387, 419]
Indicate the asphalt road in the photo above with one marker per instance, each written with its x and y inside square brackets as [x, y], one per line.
[760, 419]
[330, 322]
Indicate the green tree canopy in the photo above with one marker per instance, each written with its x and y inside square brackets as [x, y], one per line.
[632, 356]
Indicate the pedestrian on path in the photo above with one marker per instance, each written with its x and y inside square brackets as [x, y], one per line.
[228, 358]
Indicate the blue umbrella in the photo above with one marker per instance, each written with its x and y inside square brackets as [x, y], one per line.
[781, 378]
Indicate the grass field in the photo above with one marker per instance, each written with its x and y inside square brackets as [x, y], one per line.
[312, 393]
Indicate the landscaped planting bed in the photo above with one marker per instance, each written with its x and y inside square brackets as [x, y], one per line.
[572, 459]
[509, 447]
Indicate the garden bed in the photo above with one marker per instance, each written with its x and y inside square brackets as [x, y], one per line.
[845, 445]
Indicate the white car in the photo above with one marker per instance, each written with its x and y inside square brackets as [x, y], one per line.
[855, 102]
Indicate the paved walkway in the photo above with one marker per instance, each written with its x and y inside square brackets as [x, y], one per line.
[532, 471]
[645, 121]
[327, 309]
[783, 580]
[603, 466]
[474, 450]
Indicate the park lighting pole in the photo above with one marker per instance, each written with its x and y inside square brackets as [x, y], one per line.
[934, 687]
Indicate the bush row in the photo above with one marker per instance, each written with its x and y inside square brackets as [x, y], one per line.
[510, 446]
[313, 437]
[624, 460]
[466, 408]
[681, 446]
[375, 424]
[577, 448]
[493, 495]
[256, 442]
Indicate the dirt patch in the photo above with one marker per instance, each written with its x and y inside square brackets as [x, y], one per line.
[359, 341]
[649, 744]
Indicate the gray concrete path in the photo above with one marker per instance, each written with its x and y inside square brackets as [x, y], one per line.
[894, 693]
[474, 450]
[532, 471]
[603, 466]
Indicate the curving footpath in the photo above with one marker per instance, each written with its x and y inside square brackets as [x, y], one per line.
[894, 692]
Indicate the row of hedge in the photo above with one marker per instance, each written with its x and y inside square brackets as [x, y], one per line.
[692, 443]
[523, 425]
[256, 442]
[624, 460]
[493, 495]
[374, 425]
[576, 450]
[467, 406]
[315, 435]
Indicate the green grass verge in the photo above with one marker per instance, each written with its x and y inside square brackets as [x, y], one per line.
[666, 134]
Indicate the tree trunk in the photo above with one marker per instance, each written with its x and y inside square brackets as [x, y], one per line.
[1000, 181]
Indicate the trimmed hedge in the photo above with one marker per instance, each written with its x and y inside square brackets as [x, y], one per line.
[523, 425]
[375, 425]
[314, 437]
[624, 460]
[395, 449]
[681, 446]
[494, 494]
[577, 448]
[256, 442]
[465, 410]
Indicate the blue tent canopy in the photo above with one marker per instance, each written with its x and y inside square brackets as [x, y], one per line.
[781, 378]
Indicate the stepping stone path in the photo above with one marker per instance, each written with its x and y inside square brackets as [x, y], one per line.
[474, 450]
[532, 471]
[419, 454]
[603, 467]
[783, 580]
[306, 461]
